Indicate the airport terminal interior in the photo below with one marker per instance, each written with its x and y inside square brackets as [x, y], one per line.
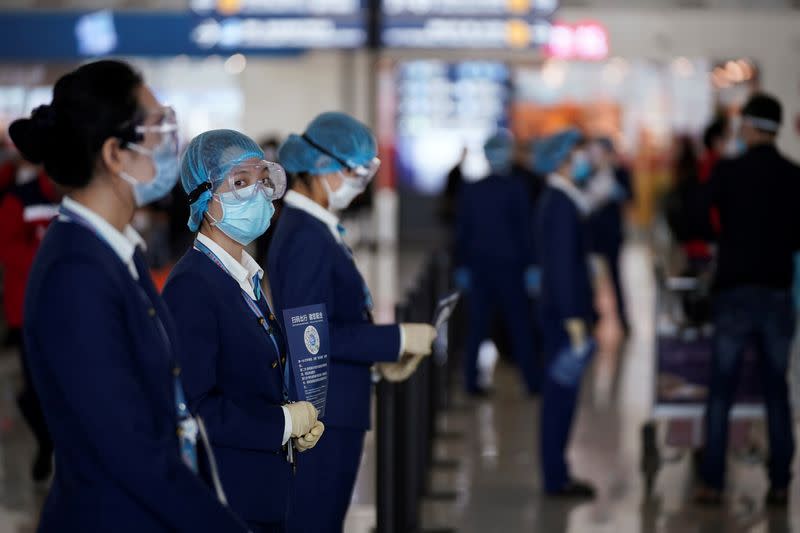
[668, 102]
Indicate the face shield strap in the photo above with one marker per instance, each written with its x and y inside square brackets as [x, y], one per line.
[764, 124]
[325, 151]
[198, 191]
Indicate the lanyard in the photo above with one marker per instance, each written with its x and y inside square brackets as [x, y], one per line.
[269, 325]
[187, 426]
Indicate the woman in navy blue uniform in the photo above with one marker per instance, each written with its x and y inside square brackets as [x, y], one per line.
[101, 345]
[494, 258]
[235, 370]
[566, 302]
[309, 263]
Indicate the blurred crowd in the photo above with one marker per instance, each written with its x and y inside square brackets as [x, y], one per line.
[531, 240]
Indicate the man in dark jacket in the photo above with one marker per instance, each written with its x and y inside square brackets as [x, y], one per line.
[756, 196]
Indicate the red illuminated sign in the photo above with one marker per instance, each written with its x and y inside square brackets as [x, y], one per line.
[586, 40]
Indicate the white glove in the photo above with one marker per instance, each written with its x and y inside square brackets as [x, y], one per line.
[576, 328]
[310, 439]
[304, 417]
[418, 339]
[401, 370]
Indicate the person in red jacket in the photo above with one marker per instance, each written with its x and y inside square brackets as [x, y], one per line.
[26, 209]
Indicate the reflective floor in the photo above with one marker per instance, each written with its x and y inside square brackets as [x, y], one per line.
[496, 481]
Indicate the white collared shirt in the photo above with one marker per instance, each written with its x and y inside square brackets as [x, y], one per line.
[306, 204]
[124, 244]
[244, 272]
[567, 187]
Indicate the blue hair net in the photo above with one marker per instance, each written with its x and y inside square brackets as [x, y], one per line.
[499, 150]
[551, 152]
[348, 143]
[208, 159]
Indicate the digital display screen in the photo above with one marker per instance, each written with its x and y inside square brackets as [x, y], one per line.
[493, 24]
[445, 112]
[225, 25]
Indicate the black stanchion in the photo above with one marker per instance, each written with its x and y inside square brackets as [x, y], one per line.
[407, 415]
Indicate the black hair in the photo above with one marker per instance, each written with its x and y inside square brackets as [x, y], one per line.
[90, 104]
[715, 131]
[766, 107]
[685, 163]
[303, 177]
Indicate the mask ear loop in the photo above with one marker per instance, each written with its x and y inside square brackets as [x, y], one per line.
[214, 221]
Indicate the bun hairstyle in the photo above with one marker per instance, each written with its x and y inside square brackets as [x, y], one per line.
[90, 104]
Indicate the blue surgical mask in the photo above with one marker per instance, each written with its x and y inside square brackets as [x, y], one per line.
[735, 147]
[165, 159]
[581, 167]
[244, 220]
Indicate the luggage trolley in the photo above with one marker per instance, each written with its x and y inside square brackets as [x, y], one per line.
[683, 347]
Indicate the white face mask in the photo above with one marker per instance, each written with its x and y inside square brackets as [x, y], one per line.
[342, 197]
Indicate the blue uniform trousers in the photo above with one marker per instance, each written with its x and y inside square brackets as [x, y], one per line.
[326, 476]
[557, 411]
[500, 290]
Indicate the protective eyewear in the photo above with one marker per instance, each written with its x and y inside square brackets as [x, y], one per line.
[245, 180]
[160, 123]
[363, 174]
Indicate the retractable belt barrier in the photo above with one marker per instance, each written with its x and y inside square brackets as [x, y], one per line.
[407, 413]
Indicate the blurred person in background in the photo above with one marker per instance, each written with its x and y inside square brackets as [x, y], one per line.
[608, 191]
[523, 167]
[237, 377]
[448, 201]
[756, 195]
[99, 341]
[310, 263]
[566, 303]
[494, 262]
[686, 208]
[25, 213]
[717, 143]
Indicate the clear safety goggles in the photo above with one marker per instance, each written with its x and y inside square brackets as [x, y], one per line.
[160, 130]
[358, 175]
[246, 180]
[361, 176]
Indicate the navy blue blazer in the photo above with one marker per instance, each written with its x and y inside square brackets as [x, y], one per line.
[493, 224]
[307, 266]
[561, 240]
[103, 371]
[233, 380]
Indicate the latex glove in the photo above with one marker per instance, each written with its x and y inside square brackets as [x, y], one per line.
[462, 278]
[576, 329]
[303, 415]
[418, 338]
[310, 439]
[401, 370]
[533, 280]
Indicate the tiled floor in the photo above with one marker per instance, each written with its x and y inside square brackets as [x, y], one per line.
[497, 482]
